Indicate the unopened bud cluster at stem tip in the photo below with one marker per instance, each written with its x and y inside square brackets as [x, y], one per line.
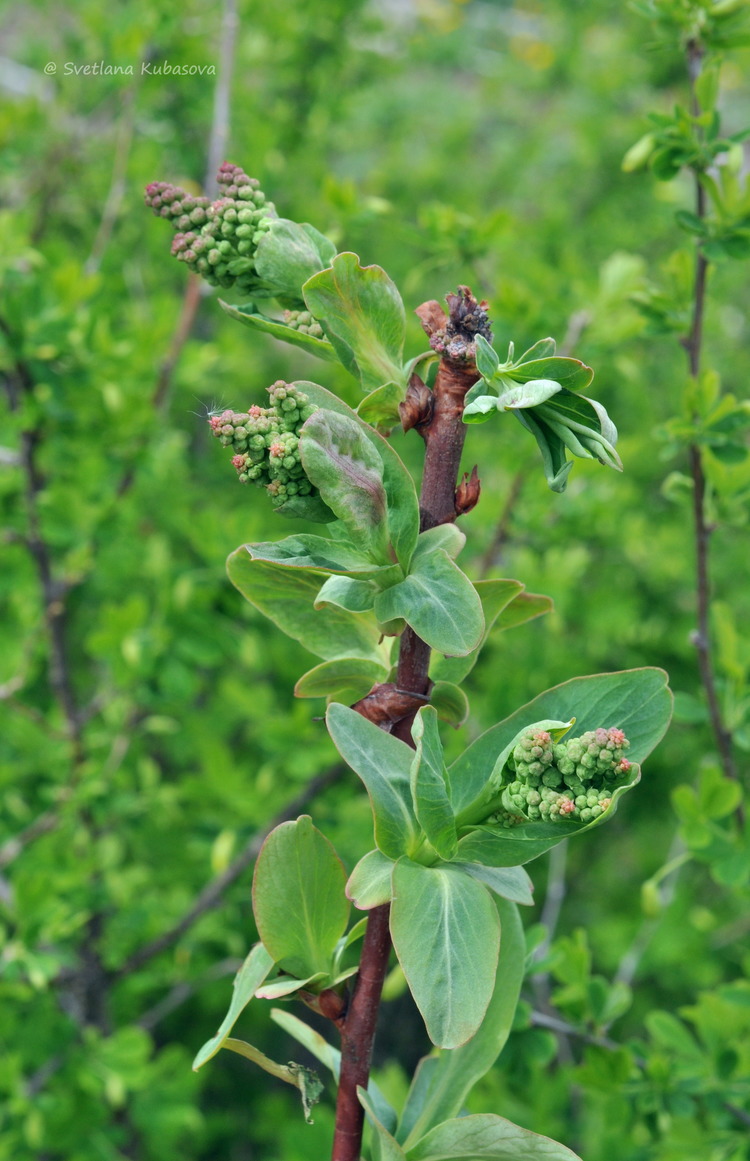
[265, 441]
[572, 779]
[217, 239]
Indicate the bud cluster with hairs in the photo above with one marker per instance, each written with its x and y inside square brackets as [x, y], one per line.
[572, 779]
[265, 441]
[217, 239]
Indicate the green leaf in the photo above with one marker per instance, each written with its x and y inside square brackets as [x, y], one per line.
[384, 1145]
[557, 467]
[248, 979]
[512, 847]
[345, 673]
[478, 408]
[508, 882]
[304, 1079]
[569, 373]
[403, 506]
[287, 597]
[429, 785]
[637, 701]
[345, 592]
[315, 1044]
[524, 607]
[281, 986]
[288, 254]
[527, 394]
[542, 349]
[443, 1082]
[384, 765]
[497, 596]
[370, 882]
[298, 897]
[446, 933]
[488, 360]
[380, 407]
[439, 602]
[486, 1135]
[583, 425]
[310, 508]
[363, 315]
[449, 537]
[330, 1057]
[316, 552]
[451, 703]
[249, 316]
[341, 462]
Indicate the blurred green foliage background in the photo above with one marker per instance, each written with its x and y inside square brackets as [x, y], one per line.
[148, 734]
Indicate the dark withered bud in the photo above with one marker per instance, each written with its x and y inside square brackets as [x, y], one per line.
[416, 409]
[467, 492]
[467, 316]
[455, 338]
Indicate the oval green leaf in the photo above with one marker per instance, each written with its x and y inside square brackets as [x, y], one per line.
[299, 903]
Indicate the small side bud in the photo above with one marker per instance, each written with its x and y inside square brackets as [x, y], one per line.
[467, 492]
[416, 409]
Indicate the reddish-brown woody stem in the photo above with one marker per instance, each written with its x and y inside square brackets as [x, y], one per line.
[444, 439]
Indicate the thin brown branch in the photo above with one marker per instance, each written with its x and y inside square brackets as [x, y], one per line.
[19, 383]
[693, 344]
[118, 182]
[219, 137]
[563, 1028]
[492, 555]
[182, 992]
[42, 824]
[213, 892]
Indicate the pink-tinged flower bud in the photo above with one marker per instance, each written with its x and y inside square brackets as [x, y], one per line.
[239, 461]
[566, 806]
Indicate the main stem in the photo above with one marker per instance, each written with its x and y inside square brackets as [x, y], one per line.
[444, 439]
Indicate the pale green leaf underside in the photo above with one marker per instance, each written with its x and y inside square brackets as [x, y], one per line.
[446, 933]
[444, 1080]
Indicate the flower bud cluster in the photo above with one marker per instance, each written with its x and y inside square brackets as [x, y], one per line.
[303, 321]
[572, 779]
[217, 239]
[265, 441]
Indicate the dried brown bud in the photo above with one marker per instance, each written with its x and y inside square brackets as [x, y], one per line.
[467, 492]
[432, 317]
[385, 704]
[416, 409]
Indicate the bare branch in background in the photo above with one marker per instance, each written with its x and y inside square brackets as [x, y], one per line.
[213, 892]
